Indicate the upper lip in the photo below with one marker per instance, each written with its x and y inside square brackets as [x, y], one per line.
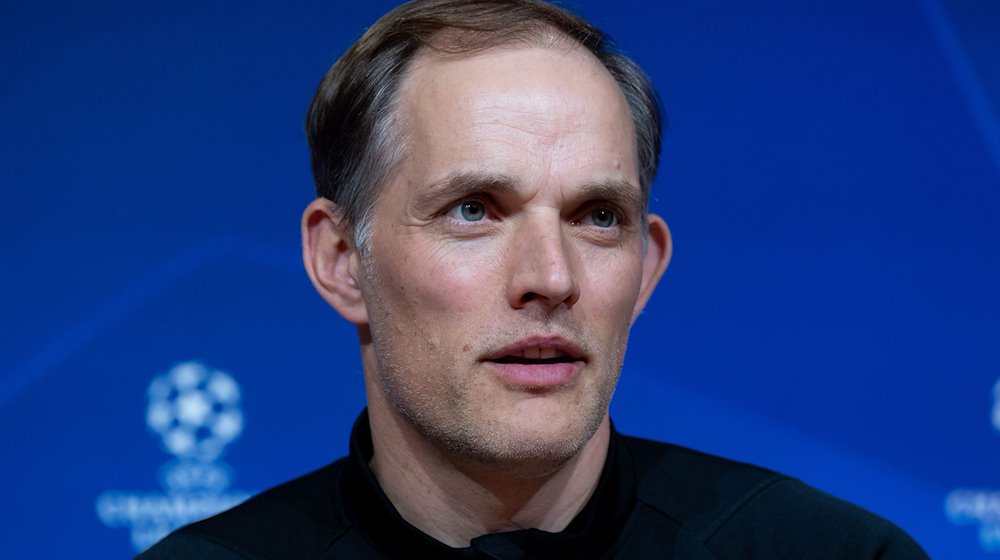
[538, 347]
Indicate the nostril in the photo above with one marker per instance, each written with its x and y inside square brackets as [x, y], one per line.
[528, 297]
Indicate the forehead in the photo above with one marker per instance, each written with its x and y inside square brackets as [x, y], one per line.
[552, 104]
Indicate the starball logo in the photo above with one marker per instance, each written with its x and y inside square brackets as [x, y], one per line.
[979, 506]
[195, 411]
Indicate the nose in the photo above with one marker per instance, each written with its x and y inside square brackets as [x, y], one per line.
[542, 267]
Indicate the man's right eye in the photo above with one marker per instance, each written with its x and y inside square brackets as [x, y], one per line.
[468, 211]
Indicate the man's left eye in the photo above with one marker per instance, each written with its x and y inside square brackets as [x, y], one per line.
[603, 217]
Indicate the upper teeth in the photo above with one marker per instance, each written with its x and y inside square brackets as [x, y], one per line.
[540, 353]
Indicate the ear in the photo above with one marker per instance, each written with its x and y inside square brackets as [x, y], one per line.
[655, 258]
[331, 260]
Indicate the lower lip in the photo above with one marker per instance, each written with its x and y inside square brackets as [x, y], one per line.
[536, 375]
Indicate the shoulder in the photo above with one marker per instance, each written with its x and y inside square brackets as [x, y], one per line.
[302, 517]
[737, 510]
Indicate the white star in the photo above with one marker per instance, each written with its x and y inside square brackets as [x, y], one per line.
[224, 388]
[228, 425]
[187, 374]
[193, 408]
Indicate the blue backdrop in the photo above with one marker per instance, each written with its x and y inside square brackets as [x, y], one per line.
[831, 174]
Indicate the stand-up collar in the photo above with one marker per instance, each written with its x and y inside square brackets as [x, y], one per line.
[591, 533]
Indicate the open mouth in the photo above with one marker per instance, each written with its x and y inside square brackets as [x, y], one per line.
[553, 351]
[538, 363]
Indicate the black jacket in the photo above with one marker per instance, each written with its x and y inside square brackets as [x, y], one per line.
[654, 500]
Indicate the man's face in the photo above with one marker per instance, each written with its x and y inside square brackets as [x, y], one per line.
[506, 262]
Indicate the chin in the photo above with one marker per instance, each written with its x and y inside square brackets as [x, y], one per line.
[523, 447]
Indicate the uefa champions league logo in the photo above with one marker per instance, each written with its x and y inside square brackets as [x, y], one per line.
[195, 411]
[964, 505]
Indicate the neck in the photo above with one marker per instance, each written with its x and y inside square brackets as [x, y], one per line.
[456, 501]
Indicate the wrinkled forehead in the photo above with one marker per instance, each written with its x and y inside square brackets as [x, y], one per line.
[568, 72]
[556, 85]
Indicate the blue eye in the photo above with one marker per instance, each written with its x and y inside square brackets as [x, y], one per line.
[471, 210]
[603, 217]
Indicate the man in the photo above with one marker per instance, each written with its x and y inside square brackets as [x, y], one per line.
[483, 171]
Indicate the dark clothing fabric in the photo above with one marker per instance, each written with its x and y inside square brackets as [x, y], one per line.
[653, 500]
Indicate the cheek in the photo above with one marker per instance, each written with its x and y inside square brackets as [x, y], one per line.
[614, 278]
[449, 281]
[613, 293]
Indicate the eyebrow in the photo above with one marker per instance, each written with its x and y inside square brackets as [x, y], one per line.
[618, 191]
[461, 185]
